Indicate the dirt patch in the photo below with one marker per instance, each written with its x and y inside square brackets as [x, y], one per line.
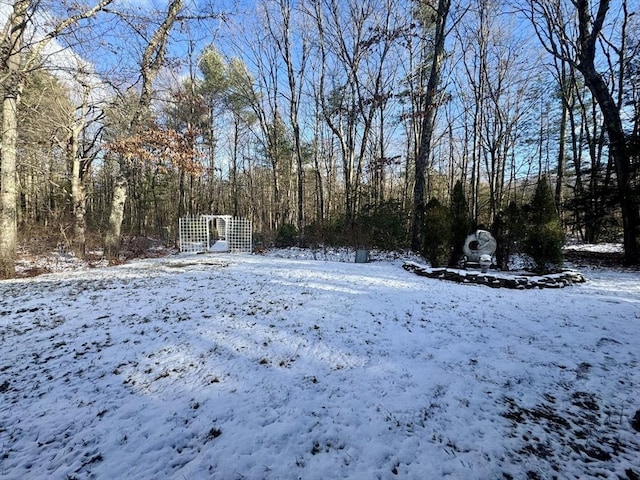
[571, 424]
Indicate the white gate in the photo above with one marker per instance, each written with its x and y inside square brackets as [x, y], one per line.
[215, 233]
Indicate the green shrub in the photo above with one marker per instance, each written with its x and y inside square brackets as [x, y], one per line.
[461, 224]
[383, 226]
[509, 229]
[544, 237]
[331, 233]
[436, 233]
[287, 235]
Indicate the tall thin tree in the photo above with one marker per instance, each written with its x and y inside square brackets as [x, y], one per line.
[439, 14]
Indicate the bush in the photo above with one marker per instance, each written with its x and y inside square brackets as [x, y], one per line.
[436, 236]
[544, 237]
[331, 233]
[287, 235]
[383, 226]
[509, 230]
[461, 224]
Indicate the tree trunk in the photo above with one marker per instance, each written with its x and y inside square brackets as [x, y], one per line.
[589, 32]
[559, 198]
[234, 167]
[428, 120]
[318, 175]
[622, 162]
[79, 172]
[8, 190]
[13, 82]
[294, 77]
[78, 199]
[112, 238]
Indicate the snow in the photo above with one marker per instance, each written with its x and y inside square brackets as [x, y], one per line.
[220, 246]
[597, 247]
[283, 367]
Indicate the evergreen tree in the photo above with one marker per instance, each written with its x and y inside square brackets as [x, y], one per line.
[287, 235]
[382, 226]
[508, 230]
[461, 224]
[545, 234]
[436, 233]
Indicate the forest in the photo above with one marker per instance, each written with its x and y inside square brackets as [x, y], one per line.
[378, 123]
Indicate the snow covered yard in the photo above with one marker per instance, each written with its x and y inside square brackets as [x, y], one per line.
[254, 367]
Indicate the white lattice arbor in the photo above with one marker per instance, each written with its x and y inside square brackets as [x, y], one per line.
[215, 233]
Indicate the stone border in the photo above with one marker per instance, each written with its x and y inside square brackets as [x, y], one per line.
[498, 279]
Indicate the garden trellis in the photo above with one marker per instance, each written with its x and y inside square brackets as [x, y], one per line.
[215, 233]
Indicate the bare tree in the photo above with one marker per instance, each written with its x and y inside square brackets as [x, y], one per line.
[354, 45]
[81, 152]
[292, 44]
[263, 90]
[153, 59]
[19, 56]
[46, 110]
[583, 22]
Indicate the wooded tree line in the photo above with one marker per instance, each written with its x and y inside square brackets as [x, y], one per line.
[323, 121]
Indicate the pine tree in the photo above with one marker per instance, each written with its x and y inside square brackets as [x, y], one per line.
[460, 223]
[545, 234]
[509, 230]
[436, 233]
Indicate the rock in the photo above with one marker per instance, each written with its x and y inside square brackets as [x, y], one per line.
[635, 423]
[520, 282]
